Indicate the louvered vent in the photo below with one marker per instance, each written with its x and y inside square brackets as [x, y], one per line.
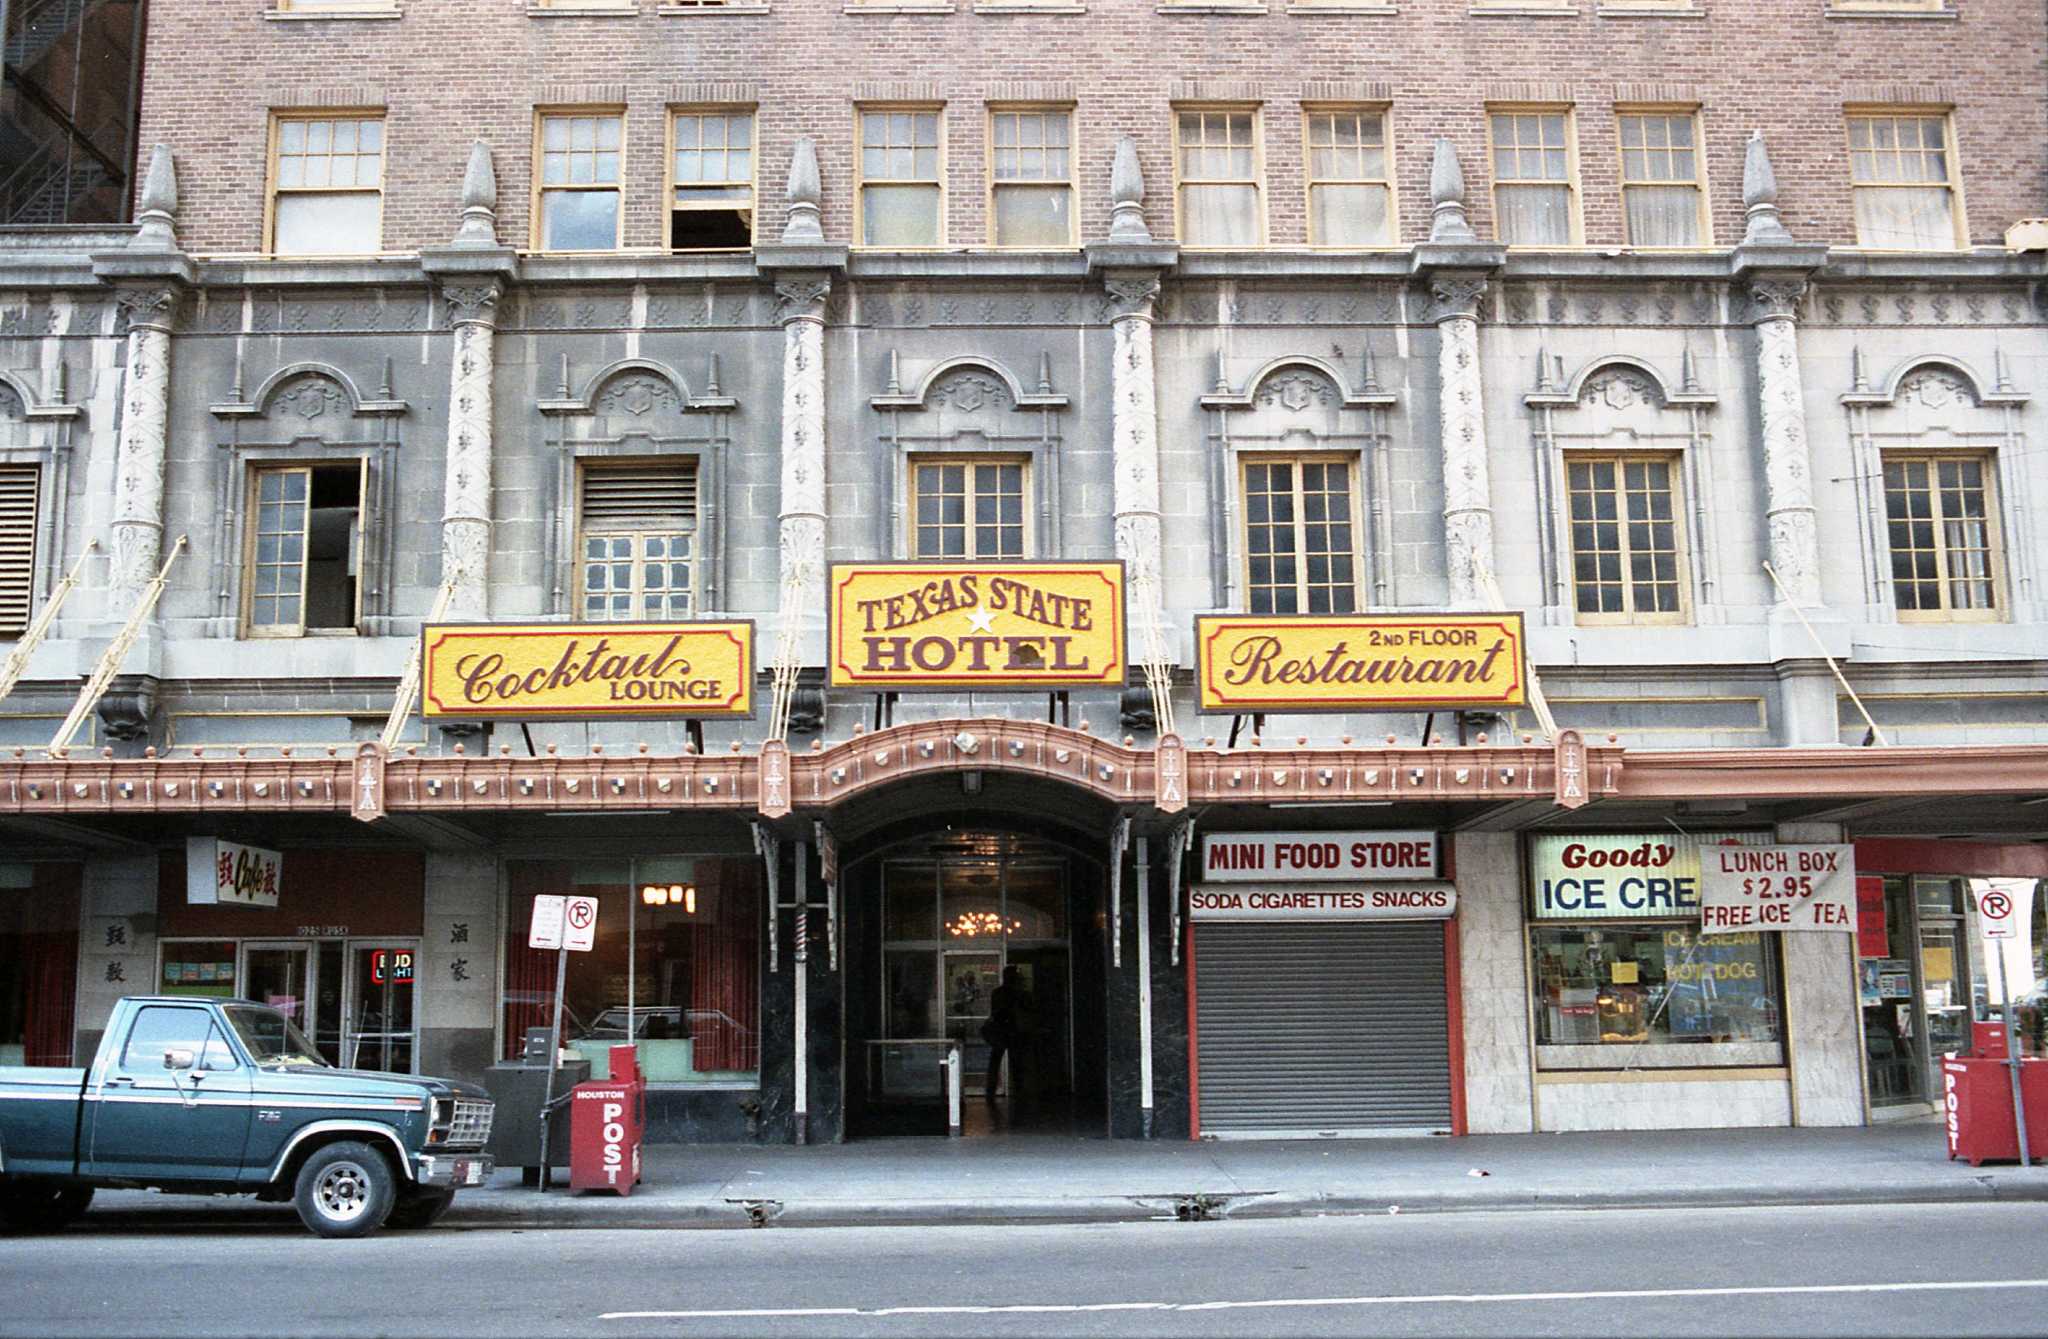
[17, 546]
[660, 495]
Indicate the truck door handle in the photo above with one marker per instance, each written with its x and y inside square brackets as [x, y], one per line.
[120, 1081]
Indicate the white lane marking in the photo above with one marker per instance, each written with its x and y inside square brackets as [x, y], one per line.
[1419, 1299]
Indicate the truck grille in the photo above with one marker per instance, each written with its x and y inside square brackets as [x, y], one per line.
[472, 1125]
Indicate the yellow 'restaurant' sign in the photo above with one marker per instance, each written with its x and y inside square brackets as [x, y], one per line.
[1359, 662]
[977, 625]
[534, 670]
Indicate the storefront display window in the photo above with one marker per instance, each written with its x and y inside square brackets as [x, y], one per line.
[1621, 976]
[675, 970]
[38, 962]
[1650, 984]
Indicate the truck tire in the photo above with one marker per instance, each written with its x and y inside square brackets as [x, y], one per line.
[418, 1208]
[41, 1206]
[345, 1190]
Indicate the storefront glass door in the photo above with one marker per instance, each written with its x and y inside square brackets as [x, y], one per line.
[1916, 997]
[379, 1004]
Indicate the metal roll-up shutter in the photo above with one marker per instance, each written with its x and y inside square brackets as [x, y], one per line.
[1324, 1028]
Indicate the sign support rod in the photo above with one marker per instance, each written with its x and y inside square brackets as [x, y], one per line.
[547, 1106]
[800, 940]
[1144, 988]
[17, 660]
[1833, 668]
[2012, 1053]
[409, 682]
[1119, 838]
[117, 651]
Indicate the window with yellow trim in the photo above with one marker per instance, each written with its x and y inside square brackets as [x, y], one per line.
[968, 507]
[1350, 177]
[1902, 173]
[1031, 177]
[1533, 177]
[326, 185]
[1216, 169]
[303, 549]
[711, 180]
[578, 156]
[1627, 541]
[1300, 534]
[1941, 524]
[902, 185]
[1662, 202]
[637, 531]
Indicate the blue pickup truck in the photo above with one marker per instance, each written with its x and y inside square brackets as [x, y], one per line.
[228, 1097]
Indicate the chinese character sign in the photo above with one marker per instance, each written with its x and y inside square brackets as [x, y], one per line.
[224, 873]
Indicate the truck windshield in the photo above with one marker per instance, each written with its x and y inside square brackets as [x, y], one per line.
[272, 1038]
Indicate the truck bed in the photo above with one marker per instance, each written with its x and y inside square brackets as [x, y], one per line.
[39, 1119]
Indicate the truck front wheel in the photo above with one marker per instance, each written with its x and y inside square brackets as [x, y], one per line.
[345, 1190]
[40, 1206]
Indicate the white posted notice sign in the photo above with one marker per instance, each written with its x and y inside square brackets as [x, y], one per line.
[1777, 888]
[547, 922]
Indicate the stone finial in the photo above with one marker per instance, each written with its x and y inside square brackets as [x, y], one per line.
[158, 208]
[1127, 195]
[479, 199]
[1760, 195]
[805, 190]
[1447, 222]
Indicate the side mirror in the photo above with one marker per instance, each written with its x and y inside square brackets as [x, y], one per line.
[179, 1059]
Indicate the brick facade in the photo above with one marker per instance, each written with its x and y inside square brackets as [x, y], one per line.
[448, 72]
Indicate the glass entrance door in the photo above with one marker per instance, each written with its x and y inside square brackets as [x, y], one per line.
[379, 1031]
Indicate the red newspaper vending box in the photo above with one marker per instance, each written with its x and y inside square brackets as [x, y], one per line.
[607, 1121]
[1977, 1108]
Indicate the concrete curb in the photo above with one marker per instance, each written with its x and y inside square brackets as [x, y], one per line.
[651, 1212]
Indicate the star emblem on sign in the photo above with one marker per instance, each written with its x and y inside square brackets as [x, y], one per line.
[981, 620]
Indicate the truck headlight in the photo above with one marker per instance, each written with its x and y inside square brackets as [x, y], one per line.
[442, 1120]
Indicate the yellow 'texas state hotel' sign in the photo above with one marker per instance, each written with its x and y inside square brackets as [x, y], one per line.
[535, 670]
[1359, 662]
[1009, 625]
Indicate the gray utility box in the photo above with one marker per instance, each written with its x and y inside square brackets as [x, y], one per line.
[520, 1088]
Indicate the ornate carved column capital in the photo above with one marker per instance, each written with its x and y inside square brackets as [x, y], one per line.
[802, 297]
[1775, 297]
[1131, 296]
[1455, 295]
[150, 306]
[473, 303]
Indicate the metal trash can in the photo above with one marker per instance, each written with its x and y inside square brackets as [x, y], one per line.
[520, 1088]
[607, 1123]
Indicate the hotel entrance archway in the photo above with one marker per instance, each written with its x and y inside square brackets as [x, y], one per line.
[934, 920]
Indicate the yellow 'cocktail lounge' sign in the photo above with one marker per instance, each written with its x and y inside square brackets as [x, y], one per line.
[535, 670]
[1359, 662]
[1004, 625]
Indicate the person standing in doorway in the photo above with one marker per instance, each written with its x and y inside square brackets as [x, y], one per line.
[1008, 1011]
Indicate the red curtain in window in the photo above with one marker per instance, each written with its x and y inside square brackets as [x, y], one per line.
[50, 968]
[529, 972]
[725, 979]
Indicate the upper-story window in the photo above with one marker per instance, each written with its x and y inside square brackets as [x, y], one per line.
[967, 507]
[576, 180]
[902, 190]
[1350, 177]
[19, 485]
[304, 550]
[1216, 165]
[1534, 171]
[326, 185]
[711, 180]
[638, 539]
[1300, 534]
[1628, 553]
[1902, 170]
[1663, 204]
[1941, 520]
[1031, 176]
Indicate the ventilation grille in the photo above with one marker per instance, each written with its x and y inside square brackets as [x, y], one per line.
[660, 495]
[17, 545]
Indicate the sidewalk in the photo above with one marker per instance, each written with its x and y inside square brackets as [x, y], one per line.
[1026, 1178]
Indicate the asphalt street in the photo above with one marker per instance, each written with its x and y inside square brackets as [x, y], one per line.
[1862, 1270]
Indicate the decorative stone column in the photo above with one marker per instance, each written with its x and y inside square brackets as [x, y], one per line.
[1134, 427]
[137, 539]
[466, 482]
[1775, 268]
[1456, 266]
[800, 308]
[150, 274]
[473, 270]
